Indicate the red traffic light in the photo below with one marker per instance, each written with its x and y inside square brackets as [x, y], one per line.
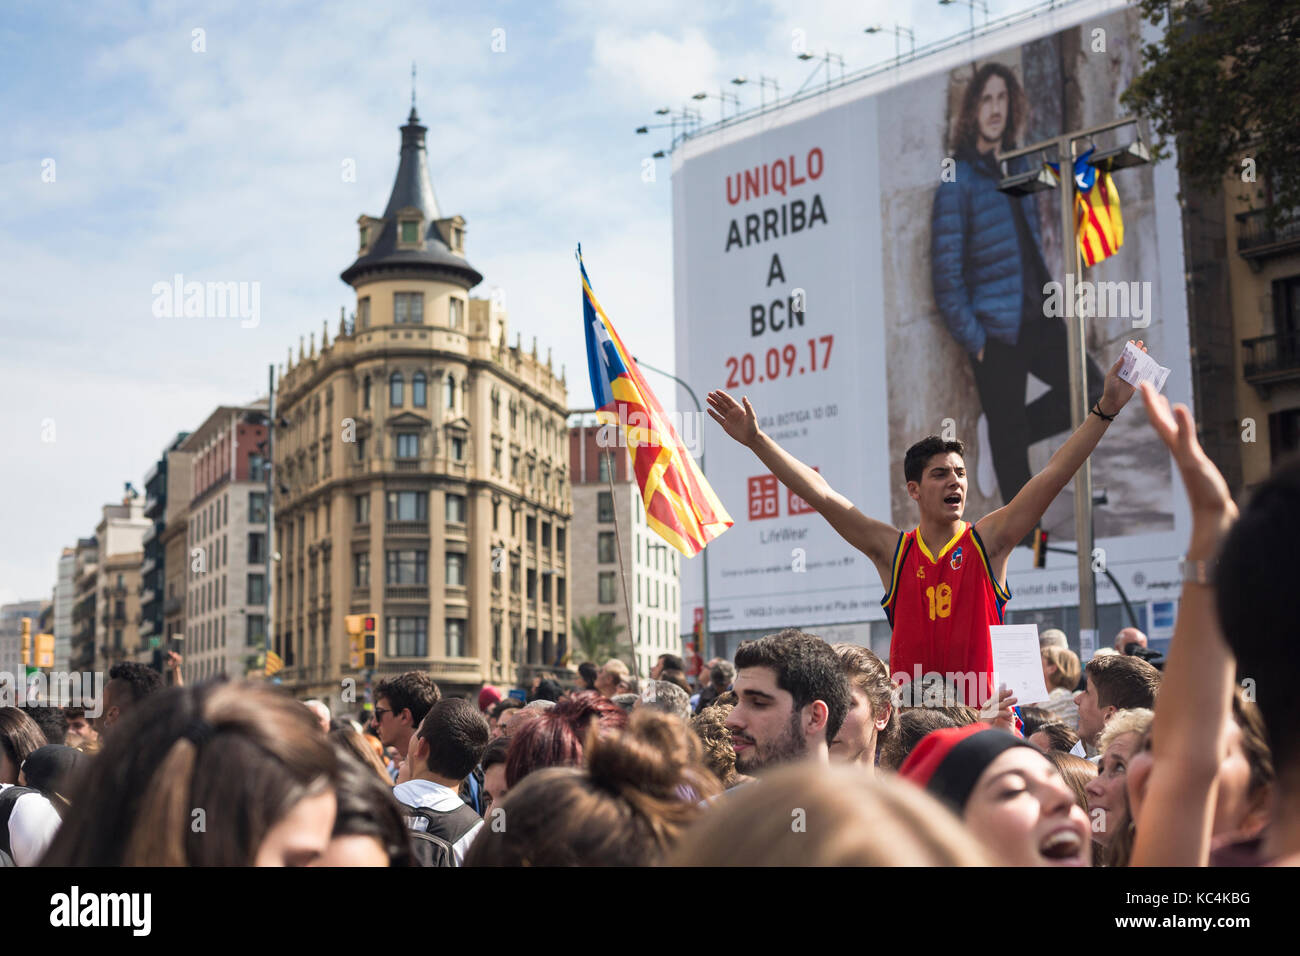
[369, 623]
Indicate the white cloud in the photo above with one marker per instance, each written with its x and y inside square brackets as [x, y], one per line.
[653, 68]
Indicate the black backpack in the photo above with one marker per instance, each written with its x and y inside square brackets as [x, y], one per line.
[8, 798]
[433, 846]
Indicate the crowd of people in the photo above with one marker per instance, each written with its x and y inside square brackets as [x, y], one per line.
[795, 752]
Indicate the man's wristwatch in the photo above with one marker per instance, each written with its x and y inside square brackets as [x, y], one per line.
[1198, 572]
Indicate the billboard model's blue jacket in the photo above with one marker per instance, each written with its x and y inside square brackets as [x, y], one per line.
[975, 261]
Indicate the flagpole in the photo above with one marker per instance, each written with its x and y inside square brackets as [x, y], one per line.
[618, 547]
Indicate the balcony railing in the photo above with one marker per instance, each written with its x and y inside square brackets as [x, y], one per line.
[407, 592]
[1258, 240]
[407, 528]
[1272, 359]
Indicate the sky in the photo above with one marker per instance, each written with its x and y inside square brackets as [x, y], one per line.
[146, 140]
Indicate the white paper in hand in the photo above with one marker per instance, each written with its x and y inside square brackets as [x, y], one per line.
[1017, 661]
[1137, 367]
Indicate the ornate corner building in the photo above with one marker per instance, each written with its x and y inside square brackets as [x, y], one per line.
[420, 472]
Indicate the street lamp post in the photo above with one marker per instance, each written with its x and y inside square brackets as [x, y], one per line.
[704, 553]
[1036, 180]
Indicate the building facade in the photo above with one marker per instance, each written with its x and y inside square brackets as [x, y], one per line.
[174, 541]
[84, 604]
[153, 569]
[226, 543]
[421, 471]
[651, 568]
[65, 596]
[120, 535]
[12, 671]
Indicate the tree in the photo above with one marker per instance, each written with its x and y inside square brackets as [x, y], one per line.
[1223, 83]
[596, 637]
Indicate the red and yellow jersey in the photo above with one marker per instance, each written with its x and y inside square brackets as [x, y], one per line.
[940, 608]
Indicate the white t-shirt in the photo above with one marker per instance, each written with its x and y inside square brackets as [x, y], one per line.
[32, 825]
[426, 793]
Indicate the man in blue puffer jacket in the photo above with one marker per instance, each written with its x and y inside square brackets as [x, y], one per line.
[988, 275]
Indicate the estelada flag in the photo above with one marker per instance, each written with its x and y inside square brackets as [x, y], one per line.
[1099, 227]
[274, 664]
[679, 504]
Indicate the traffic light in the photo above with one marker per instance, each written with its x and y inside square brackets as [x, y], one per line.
[27, 641]
[44, 650]
[1040, 548]
[370, 647]
[354, 624]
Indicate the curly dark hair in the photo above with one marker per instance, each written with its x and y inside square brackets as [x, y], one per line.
[806, 667]
[966, 132]
[141, 679]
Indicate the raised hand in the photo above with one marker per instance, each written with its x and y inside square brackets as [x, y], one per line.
[1206, 488]
[1117, 392]
[738, 421]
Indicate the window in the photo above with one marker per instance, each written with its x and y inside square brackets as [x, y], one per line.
[532, 584]
[456, 509]
[408, 445]
[395, 389]
[607, 583]
[546, 534]
[559, 541]
[361, 449]
[257, 589]
[408, 307]
[496, 516]
[455, 570]
[364, 232]
[361, 570]
[407, 567]
[256, 468]
[256, 635]
[410, 231]
[530, 529]
[363, 308]
[449, 393]
[457, 448]
[362, 503]
[456, 638]
[559, 592]
[365, 392]
[257, 506]
[456, 313]
[419, 398]
[605, 547]
[256, 548]
[604, 507]
[604, 466]
[407, 637]
[406, 506]
[496, 460]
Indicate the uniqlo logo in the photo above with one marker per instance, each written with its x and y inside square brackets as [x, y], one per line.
[764, 501]
[797, 506]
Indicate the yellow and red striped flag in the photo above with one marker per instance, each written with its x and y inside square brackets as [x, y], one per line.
[274, 663]
[679, 504]
[1097, 220]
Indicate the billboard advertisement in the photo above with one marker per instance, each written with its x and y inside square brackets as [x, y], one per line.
[849, 264]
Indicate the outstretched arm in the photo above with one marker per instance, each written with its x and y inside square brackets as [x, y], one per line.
[873, 538]
[1195, 701]
[1005, 528]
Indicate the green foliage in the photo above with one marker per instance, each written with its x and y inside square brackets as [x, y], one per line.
[596, 637]
[1223, 82]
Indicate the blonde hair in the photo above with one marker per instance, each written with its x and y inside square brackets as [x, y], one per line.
[806, 815]
[1135, 720]
[1066, 662]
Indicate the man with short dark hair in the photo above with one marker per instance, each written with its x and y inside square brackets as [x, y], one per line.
[80, 734]
[447, 747]
[401, 703]
[1115, 682]
[52, 721]
[793, 695]
[128, 684]
[546, 689]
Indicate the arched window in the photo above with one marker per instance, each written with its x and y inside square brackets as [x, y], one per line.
[451, 391]
[365, 392]
[395, 385]
[417, 390]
